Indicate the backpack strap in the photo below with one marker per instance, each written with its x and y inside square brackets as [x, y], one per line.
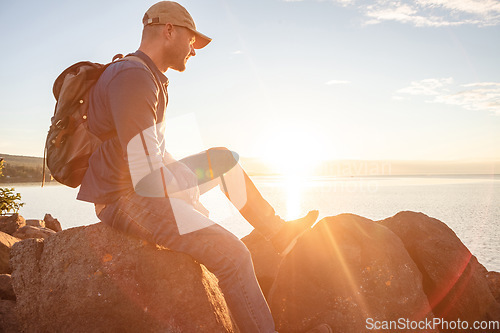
[135, 58]
[117, 58]
[139, 59]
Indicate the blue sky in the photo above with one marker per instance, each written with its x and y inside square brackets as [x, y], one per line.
[344, 79]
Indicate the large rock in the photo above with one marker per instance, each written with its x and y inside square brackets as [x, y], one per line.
[6, 242]
[52, 223]
[265, 259]
[453, 280]
[494, 284]
[8, 318]
[36, 223]
[94, 279]
[10, 224]
[29, 231]
[348, 272]
[6, 291]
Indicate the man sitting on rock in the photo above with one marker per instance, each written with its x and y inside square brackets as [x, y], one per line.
[140, 189]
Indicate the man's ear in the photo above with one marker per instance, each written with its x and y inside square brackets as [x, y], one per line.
[168, 31]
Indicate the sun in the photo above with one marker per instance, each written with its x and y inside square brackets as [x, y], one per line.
[292, 152]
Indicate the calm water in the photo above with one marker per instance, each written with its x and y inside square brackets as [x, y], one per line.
[470, 205]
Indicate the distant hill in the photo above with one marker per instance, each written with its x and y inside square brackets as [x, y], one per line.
[22, 160]
[22, 169]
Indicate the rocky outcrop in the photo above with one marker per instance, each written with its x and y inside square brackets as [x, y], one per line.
[52, 223]
[494, 284]
[14, 228]
[454, 281]
[18, 226]
[343, 272]
[6, 291]
[29, 231]
[10, 224]
[6, 242]
[36, 223]
[348, 271]
[8, 318]
[94, 279]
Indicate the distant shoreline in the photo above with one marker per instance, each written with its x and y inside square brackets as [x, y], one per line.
[310, 178]
[29, 183]
[28, 170]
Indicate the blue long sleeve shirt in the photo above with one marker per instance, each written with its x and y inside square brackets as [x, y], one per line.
[131, 99]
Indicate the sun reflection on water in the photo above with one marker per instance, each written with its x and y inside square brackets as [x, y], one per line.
[293, 185]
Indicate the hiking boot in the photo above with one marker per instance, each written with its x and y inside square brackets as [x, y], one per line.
[323, 328]
[285, 239]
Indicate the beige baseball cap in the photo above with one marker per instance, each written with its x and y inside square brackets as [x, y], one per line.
[164, 12]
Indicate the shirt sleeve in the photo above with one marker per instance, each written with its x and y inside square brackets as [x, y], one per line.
[133, 101]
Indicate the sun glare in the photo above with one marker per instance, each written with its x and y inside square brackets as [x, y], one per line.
[292, 153]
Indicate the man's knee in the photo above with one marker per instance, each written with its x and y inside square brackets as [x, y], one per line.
[219, 149]
[224, 154]
[221, 160]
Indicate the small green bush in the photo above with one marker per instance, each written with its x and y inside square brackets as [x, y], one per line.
[8, 198]
[9, 201]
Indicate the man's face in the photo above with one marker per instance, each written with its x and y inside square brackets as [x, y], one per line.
[183, 43]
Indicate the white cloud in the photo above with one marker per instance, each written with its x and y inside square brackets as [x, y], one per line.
[434, 13]
[478, 7]
[482, 84]
[427, 87]
[332, 82]
[486, 97]
[238, 52]
[426, 13]
[345, 3]
[482, 96]
[402, 12]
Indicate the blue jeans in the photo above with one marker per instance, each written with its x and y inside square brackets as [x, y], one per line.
[175, 224]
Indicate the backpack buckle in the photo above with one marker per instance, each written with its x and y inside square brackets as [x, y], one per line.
[62, 123]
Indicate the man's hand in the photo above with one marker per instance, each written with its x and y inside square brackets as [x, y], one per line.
[188, 195]
[187, 181]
